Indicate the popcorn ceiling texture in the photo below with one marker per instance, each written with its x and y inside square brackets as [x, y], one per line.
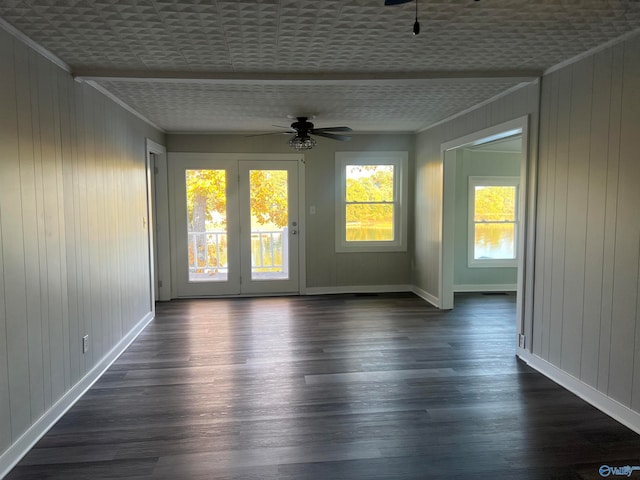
[314, 37]
[194, 107]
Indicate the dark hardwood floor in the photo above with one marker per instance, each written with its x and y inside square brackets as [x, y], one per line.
[338, 387]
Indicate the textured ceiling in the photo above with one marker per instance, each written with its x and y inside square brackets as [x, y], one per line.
[306, 43]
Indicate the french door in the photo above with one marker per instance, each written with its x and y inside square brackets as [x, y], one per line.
[236, 226]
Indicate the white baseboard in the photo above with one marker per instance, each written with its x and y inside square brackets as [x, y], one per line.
[358, 289]
[28, 439]
[602, 402]
[433, 300]
[494, 287]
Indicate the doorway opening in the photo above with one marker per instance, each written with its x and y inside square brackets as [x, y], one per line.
[484, 234]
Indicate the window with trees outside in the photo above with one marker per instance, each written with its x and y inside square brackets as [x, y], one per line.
[493, 221]
[371, 201]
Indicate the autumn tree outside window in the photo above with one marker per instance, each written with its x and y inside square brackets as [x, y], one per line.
[371, 201]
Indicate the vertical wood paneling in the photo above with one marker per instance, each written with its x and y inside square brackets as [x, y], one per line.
[86, 318]
[72, 173]
[550, 150]
[13, 245]
[624, 317]
[576, 217]
[93, 239]
[5, 407]
[594, 247]
[630, 146]
[29, 213]
[54, 370]
[5, 106]
[592, 149]
[72, 234]
[610, 219]
[68, 266]
[561, 159]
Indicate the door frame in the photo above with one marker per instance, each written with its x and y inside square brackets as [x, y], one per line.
[176, 158]
[159, 219]
[526, 227]
[248, 285]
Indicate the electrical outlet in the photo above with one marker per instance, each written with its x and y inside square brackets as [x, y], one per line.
[521, 340]
[85, 344]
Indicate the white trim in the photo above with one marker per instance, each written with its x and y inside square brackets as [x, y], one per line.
[487, 287]
[602, 402]
[335, 79]
[479, 105]
[302, 226]
[204, 156]
[359, 289]
[21, 447]
[245, 133]
[176, 164]
[426, 296]
[124, 105]
[160, 217]
[592, 51]
[34, 45]
[400, 162]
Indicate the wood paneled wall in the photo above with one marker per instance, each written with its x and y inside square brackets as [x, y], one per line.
[73, 247]
[587, 288]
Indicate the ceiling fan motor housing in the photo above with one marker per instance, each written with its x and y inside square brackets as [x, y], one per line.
[302, 126]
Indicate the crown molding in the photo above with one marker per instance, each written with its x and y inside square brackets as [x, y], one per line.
[34, 45]
[478, 105]
[592, 51]
[261, 78]
[124, 105]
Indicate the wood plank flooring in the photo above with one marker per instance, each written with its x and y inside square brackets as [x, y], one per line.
[337, 387]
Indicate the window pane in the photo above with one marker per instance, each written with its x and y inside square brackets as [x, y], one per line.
[269, 200]
[369, 183]
[369, 223]
[494, 241]
[495, 204]
[207, 225]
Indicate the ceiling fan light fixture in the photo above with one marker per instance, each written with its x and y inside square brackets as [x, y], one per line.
[301, 143]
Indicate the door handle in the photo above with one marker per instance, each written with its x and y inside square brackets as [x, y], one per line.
[294, 232]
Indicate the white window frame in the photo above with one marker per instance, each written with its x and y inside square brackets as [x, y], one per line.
[493, 181]
[400, 162]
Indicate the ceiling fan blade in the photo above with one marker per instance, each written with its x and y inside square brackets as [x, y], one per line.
[270, 133]
[332, 136]
[396, 2]
[332, 129]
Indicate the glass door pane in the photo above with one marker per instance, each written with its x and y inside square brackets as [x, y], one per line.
[269, 206]
[207, 225]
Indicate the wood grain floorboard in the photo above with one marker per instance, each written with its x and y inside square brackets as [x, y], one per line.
[354, 387]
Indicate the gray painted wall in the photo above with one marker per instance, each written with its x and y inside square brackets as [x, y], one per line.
[587, 288]
[478, 163]
[325, 267]
[73, 250]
